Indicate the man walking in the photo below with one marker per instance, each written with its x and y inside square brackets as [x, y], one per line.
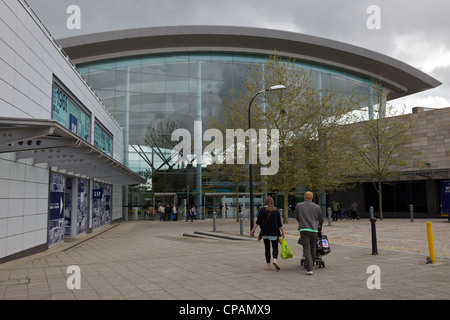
[309, 217]
[335, 206]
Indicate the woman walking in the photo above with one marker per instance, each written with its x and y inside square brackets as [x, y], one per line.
[269, 220]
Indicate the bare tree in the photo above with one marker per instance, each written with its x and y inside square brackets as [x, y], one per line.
[156, 151]
[380, 146]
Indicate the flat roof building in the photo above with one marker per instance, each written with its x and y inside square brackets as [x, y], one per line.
[182, 74]
[83, 117]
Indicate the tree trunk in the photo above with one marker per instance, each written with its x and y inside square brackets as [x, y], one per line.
[320, 194]
[286, 207]
[380, 199]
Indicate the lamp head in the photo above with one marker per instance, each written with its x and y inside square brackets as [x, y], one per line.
[277, 87]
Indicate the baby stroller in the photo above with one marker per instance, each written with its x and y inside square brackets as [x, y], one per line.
[322, 249]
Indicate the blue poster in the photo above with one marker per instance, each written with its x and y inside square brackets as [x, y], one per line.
[68, 207]
[56, 205]
[73, 124]
[97, 194]
[101, 204]
[56, 209]
[82, 205]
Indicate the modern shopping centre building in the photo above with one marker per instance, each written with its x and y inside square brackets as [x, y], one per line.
[82, 116]
[149, 78]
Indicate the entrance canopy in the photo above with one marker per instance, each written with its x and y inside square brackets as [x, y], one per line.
[46, 141]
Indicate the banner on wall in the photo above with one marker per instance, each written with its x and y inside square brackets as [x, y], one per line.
[56, 209]
[82, 205]
[59, 106]
[101, 206]
[68, 207]
[73, 125]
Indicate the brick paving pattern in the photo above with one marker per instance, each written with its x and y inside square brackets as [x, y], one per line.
[153, 260]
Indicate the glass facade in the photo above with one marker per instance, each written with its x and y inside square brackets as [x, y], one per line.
[150, 96]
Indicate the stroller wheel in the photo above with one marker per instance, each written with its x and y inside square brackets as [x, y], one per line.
[302, 261]
[322, 264]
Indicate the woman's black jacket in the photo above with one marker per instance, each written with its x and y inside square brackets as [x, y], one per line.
[273, 224]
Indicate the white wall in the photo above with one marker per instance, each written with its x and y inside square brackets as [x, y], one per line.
[28, 59]
[23, 205]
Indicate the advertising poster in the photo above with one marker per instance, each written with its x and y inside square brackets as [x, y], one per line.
[82, 205]
[59, 106]
[68, 207]
[101, 207]
[102, 140]
[97, 132]
[106, 214]
[73, 125]
[74, 115]
[56, 210]
[84, 126]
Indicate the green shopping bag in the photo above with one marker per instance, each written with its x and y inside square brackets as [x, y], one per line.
[286, 252]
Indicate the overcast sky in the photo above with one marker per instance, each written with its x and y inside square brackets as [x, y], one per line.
[415, 32]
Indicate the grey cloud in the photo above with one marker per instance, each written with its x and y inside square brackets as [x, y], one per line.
[341, 20]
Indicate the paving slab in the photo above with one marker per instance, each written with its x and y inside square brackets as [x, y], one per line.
[154, 260]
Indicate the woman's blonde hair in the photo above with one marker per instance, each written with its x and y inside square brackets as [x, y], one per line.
[270, 205]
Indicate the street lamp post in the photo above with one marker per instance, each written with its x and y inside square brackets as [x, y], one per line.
[273, 88]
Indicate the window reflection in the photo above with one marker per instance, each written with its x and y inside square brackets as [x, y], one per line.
[149, 90]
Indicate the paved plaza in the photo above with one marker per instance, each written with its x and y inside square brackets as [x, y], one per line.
[155, 260]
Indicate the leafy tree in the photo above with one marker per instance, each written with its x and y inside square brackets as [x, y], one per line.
[306, 122]
[324, 167]
[287, 111]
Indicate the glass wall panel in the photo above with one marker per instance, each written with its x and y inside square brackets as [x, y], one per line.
[338, 84]
[166, 90]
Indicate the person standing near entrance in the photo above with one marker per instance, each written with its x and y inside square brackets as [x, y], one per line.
[189, 214]
[335, 207]
[161, 212]
[309, 217]
[167, 211]
[354, 211]
[174, 212]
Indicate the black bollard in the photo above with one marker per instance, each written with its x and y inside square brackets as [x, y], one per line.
[374, 236]
[241, 223]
